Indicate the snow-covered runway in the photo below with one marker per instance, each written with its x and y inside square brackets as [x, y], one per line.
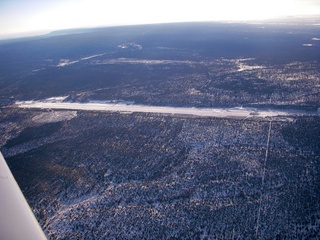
[204, 112]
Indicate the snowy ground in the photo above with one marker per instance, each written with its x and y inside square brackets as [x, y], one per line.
[204, 112]
[49, 117]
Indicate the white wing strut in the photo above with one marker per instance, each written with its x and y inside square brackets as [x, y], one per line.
[16, 218]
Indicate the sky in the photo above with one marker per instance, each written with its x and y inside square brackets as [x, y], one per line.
[19, 17]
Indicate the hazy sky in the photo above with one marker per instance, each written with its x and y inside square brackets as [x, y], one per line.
[22, 16]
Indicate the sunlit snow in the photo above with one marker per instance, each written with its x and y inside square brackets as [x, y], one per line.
[66, 62]
[54, 116]
[204, 112]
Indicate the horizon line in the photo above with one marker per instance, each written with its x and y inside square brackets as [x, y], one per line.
[288, 20]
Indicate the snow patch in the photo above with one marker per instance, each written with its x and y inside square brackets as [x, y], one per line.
[66, 62]
[193, 91]
[37, 70]
[56, 116]
[244, 67]
[307, 45]
[132, 46]
[93, 56]
[142, 61]
[55, 99]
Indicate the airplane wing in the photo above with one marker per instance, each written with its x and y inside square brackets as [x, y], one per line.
[16, 218]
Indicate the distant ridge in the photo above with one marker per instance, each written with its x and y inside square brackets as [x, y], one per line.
[20, 39]
[300, 20]
[74, 31]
